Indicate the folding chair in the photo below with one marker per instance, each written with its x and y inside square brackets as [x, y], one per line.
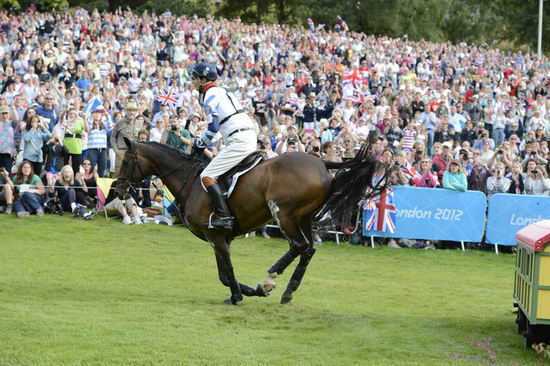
[103, 189]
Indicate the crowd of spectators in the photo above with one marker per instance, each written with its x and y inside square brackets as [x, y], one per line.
[455, 116]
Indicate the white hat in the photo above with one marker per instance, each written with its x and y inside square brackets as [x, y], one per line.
[447, 144]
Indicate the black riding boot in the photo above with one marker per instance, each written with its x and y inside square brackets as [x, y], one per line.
[222, 217]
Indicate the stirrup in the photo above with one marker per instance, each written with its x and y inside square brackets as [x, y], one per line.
[227, 227]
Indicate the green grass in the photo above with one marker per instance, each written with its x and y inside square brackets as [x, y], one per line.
[101, 293]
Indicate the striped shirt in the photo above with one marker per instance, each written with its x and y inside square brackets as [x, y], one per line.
[97, 139]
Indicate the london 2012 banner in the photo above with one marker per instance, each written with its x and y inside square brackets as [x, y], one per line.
[509, 213]
[435, 214]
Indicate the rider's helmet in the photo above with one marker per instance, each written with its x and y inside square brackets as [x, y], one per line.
[205, 70]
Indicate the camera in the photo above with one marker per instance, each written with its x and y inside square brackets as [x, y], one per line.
[315, 149]
[261, 145]
[174, 128]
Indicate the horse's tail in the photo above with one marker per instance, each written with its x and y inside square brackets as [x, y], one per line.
[362, 177]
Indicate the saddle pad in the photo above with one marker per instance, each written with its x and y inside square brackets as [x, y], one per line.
[236, 176]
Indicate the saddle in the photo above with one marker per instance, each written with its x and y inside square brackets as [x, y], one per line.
[228, 181]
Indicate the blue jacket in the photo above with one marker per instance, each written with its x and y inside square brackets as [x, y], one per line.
[34, 140]
[456, 181]
[50, 115]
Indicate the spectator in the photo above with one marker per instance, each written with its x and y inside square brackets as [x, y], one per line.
[442, 156]
[70, 191]
[498, 183]
[30, 191]
[97, 142]
[477, 179]
[517, 179]
[455, 178]
[88, 180]
[128, 127]
[47, 112]
[177, 137]
[36, 133]
[158, 131]
[536, 180]
[73, 127]
[6, 193]
[429, 178]
[129, 210]
[7, 140]
[55, 154]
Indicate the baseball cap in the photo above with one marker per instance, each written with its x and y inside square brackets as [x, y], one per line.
[447, 144]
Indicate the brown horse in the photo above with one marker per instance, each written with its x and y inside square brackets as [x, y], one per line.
[290, 189]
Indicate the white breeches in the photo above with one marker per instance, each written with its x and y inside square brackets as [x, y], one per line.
[238, 147]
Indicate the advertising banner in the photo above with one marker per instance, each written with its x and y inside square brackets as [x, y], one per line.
[431, 214]
[509, 213]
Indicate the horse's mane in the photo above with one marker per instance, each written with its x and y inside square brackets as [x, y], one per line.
[197, 160]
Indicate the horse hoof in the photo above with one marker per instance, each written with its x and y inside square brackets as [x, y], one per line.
[260, 291]
[268, 286]
[230, 301]
[286, 299]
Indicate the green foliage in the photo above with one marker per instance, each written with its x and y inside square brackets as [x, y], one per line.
[42, 5]
[75, 292]
[90, 5]
[10, 4]
[177, 7]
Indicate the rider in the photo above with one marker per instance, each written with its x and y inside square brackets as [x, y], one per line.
[226, 116]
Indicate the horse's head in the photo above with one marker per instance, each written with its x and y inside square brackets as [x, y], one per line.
[132, 170]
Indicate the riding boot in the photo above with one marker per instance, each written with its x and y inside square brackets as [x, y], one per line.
[222, 217]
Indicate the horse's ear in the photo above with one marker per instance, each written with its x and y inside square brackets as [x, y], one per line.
[128, 143]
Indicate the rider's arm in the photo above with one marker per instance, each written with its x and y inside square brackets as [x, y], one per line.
[210, 109]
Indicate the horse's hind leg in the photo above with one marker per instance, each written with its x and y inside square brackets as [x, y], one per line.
[305, 257]
[298, 243]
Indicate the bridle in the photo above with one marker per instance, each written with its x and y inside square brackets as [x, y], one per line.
[128, 178]
[133, 183]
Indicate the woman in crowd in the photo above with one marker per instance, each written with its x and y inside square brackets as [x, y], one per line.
[30, 191]
[55, 154]
[74, 127]
[97, 143]
[36, 133]
[516, 178]
[69, 191]
[454, 178]
[498, 183]
[88, 179]
[429, 178]
[536, 181]
[158, 130]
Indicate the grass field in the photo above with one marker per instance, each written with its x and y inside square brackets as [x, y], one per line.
[101, 293]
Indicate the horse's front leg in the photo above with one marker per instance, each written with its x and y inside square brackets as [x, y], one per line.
[225, 270]
[245, 289]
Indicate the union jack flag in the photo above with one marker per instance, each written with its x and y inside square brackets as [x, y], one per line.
[168, 97]
[410, 172]
[381, 214]
[297, 101]
[354, 77]
[246, 103]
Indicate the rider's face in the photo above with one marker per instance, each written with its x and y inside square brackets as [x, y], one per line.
[196, 83]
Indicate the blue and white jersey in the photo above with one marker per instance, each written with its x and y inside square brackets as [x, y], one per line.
[218, 104]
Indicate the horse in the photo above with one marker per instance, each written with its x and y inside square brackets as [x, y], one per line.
[291, 189]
